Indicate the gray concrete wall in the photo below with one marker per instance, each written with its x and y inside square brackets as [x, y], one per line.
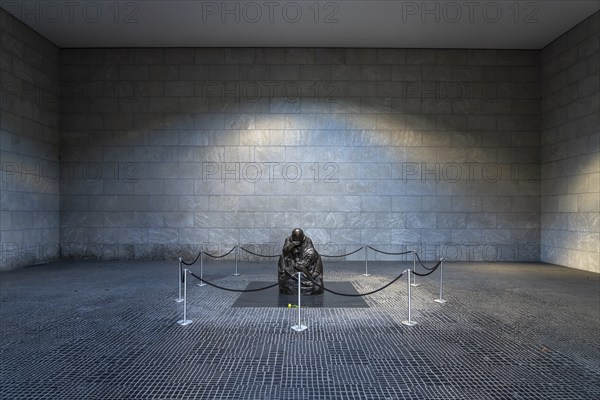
[570, 148]
[29, 141]
[165, 149]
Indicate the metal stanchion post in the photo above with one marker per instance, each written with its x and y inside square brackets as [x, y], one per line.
[299, 327]
[184, 321]
[201, 270]
[237, 253]
[366, 262]
[414, 283]
[409, 321]
[179, 299]
[441, 300]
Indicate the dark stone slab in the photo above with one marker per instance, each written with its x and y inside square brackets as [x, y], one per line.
[272, 298]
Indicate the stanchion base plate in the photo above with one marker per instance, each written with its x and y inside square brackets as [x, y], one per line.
[235, 274]
[299, 328]
[441, 301]
[366, 274]
[415, 284]
[409, 323]
[184, 322]
[178, 300]
[201, 284]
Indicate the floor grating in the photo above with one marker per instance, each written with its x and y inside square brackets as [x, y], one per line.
[92, 330]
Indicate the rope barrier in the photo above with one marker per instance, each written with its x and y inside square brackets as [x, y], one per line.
[431, 271]
[390, 254]
[423, 265]
[322, 255]
[310, 277]
[221, 256]
[210, 255]
[355, 295]
[259, 255]
[229, 289]
[300, 327]
[343, 255]
[193, 262]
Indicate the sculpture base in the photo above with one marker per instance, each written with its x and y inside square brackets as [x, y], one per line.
[307, 292]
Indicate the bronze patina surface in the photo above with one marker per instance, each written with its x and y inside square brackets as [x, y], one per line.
[299, 255]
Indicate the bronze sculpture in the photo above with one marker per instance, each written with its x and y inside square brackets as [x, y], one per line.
[299, 255]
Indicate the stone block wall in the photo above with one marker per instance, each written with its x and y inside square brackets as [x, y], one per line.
[570, 221]
[29, 141]
[163, 150]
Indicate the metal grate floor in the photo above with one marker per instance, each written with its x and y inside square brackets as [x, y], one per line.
[107, 330]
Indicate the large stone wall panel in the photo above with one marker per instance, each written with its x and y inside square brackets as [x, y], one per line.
[357, 146]
[570, 155]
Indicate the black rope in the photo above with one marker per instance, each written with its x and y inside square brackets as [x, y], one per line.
[258, 255]
[229, 289]
[221, 256]
[310, 277]
[423, 265]
[431, 271]
[344, 255]
[322, 255]
[193, 262]
[355, 295]
[390, 254]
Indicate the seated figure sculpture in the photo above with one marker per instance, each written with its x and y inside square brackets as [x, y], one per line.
[299, 255]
